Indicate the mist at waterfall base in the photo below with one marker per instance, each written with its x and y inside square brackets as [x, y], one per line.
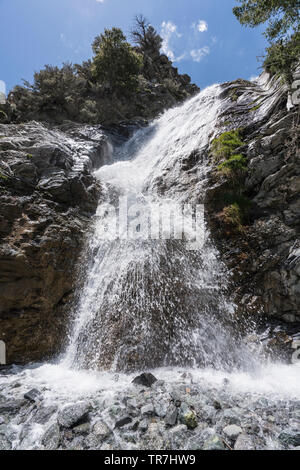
[153, 304]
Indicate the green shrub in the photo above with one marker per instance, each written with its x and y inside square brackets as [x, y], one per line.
[224, 146]
[233, 217]
[282, 57]
[283, 32]
[236, 163]
[115, 62]
[171, 86]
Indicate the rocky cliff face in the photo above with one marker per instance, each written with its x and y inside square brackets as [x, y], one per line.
[47, 197]
[264, 255]
[260, 242]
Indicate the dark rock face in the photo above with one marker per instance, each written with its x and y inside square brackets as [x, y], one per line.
[265, 257]
[47, 198]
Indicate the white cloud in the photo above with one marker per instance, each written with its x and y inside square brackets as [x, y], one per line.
[198, 54]
[168, 31]
[181, 57]
[202, 26]
[100, 1]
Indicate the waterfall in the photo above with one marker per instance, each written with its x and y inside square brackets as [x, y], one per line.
[148, 303]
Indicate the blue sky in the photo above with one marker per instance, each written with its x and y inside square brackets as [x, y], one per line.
[202, 36]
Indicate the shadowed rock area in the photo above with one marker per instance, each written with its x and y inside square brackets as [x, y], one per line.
[47, 197]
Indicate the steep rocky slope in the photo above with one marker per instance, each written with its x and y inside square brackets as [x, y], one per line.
[264, 253]
[47, 197]
[253, 214]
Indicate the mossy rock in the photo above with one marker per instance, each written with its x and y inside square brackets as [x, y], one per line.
[190, 420]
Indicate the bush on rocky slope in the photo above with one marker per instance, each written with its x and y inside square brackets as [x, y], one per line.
[121, 83]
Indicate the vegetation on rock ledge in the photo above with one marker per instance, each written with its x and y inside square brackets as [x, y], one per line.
[121, 82]
[224, 146]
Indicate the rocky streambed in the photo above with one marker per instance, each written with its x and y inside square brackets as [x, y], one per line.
[165, 409]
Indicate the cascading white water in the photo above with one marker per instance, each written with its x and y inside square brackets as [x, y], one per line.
[148, 303]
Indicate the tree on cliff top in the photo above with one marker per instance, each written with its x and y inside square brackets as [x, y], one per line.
[146, 37]
[149, 43]
[283, 31]
[115, 62]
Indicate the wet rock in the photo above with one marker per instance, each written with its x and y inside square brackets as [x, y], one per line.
[77, 444]
[171, 415]
[145, 379]
[82, 428]
[4, 443]
[214, 443]
[231, 416]
[187, 416]
[143, 426]
[101, 430]
[207, 413]
[45, 204]
[123, 421]
[51, 438]
[92, 442]
[148, 410]
[290, 438]
[70, 415]
[11, 406]
[232, 431]
[43, 414]
[161, 408]
[154, 438]
[178, 436]
[244, 442]
[217, 405]
[33, 395]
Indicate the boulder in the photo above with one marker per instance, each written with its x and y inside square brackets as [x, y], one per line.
[72, 414]
[146, 379]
